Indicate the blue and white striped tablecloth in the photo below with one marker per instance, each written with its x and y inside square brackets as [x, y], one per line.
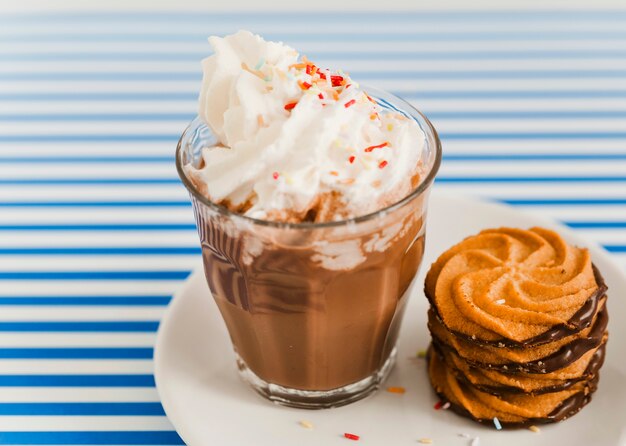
[96, 232]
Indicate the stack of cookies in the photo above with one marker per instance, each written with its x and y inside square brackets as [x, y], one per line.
[518, 321]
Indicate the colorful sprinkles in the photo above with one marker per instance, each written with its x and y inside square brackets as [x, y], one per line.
[275, 175]
[438, 405]
[382, 164]
[425, 441]
[306, 424]
[377, 146]
[496, 423]
[290, 105]
[259, 64]
[351, 159]
[400, 390]
[421, 354]
[534, 429]
[350, 436]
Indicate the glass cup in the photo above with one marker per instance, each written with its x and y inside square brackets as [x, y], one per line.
[313, 309]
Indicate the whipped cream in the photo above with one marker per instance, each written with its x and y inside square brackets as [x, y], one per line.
[298, 142]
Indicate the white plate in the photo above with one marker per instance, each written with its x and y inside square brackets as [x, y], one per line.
[209, 405]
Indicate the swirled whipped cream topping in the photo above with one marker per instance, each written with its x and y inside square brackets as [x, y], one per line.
[298, 142]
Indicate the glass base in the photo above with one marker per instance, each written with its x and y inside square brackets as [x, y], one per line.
[317, 399]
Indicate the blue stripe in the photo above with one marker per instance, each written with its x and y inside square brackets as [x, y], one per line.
[534, 135]
[112, 96]
[139, 250]
[364, 75]
[129, 438]
[94, 275]
[447, 157]
[194, 56]
[68, 181]
[157, 300]
[596, 224]
[510, 94]
[106, 204]
[148, 137]
[442, 179]
[174, 137]
[82, 409]
[76, 381]
[272, 16]
[100, 227]
[537, 157]
[87, 300]
[55, 117]
[536, 114]
[615, 248]
[565, 201]
[76, 353]
[176, 274]
[535, 179]
[99, 251]
[288, 37]
[73, 327]
[416, 95]
[86, 159]
[440, 115]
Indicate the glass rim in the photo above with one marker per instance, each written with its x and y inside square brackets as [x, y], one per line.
[421, 187]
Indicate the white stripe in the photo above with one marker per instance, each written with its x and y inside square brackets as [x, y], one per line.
[19, 339]
[366, 64]
[215, 25]
[11, 108]
[540, 190]
[84, 423]
[155, 128]
[416, 85]
[96, 262]
[534, 168]
[516, 105]
[76, 287]
[105, 239]
[189, 238]
[200, 46]
[176, 191]
[573, 213]
[78, 366]
[55, 313]
[95, 127]
[534, 147]
[96, 215]
[117, 170]
[78, 394]
[115, 192]
[605, 236]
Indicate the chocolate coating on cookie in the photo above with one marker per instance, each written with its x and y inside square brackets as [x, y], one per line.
[581, 320]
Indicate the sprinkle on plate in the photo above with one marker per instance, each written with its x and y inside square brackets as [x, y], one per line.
[496, 423]
[306, 424]
[396, 390]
